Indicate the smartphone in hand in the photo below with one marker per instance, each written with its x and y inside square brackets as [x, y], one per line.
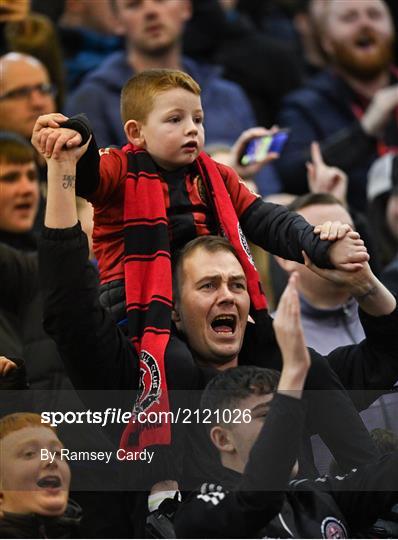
[258, 147]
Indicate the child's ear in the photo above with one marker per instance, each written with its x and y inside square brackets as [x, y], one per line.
[222, 439]
[134, 134]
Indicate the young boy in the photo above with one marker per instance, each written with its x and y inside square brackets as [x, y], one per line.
[33, 492]
[158, 192]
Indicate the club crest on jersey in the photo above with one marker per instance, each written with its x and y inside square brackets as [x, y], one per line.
[245, 245]
[150, 383]
[333, 528]
[200, 185]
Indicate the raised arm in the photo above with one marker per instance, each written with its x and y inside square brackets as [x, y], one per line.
[94, 351]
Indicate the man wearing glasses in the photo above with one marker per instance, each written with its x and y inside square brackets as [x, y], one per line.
[25, 93]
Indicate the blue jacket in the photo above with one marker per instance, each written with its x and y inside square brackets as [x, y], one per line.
[227, 109]
[321, 111]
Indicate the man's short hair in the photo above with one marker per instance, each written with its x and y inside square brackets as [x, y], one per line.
[209, 243]
[311, 199]
[16, 421]
[15, 149]
[230, 387]
[139, 92]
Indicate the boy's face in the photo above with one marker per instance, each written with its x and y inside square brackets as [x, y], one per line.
[29, 484]
[173, 133]
[244, 434]
[19, 196]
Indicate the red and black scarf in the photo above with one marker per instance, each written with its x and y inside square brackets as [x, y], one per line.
[148, 281]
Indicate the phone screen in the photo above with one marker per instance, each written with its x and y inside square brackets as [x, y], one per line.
[257, 149]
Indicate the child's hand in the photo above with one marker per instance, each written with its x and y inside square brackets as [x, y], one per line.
[49, 138]
[6, 365]
[332, 230]
[348, 253]
[288, 329]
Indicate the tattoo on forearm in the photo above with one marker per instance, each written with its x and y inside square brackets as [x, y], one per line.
[370, 292]
[68, 181]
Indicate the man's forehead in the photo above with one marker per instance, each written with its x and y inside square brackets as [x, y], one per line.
[317, 214]
[338, 6]
[202, 262]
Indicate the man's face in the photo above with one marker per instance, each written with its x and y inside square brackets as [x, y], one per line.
[19, 196]
[152, 27]
[173, 132]
[213, 306]
[28, 484]
[392, 214]
[359, 37]
[19, 112]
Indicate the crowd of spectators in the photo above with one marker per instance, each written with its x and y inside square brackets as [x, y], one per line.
[114, 296]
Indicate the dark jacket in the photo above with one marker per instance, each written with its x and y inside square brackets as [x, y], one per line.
[261, 503]
[35, 526]
[21, 330]
[389, 275]
[227, 109]
[322, 111]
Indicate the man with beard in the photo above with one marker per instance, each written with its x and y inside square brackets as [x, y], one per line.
[352, 105]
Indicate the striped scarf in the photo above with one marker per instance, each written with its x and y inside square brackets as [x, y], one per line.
[148, 281]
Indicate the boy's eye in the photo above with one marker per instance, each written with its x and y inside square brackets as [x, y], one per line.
[174, 119]
[28, 454]
[198, 120]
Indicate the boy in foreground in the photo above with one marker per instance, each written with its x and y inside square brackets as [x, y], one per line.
[33, 492]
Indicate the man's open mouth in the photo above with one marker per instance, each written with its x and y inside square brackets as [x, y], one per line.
[365, 41]
[224, 324]
[49, 482]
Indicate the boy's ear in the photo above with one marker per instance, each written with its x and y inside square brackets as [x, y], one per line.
[222, 439]
[134, 134]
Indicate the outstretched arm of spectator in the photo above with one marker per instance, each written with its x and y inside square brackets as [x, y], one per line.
[372, 296]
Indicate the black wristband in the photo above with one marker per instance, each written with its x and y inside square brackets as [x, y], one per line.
[80, 124]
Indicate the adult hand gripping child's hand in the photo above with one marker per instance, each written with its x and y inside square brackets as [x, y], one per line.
[55, 142]
[348, 251]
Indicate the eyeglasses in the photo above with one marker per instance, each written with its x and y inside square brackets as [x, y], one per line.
[25, 92]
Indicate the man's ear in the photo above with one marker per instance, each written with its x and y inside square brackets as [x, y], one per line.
[175, 315]
[222, 439]
[134, 134]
